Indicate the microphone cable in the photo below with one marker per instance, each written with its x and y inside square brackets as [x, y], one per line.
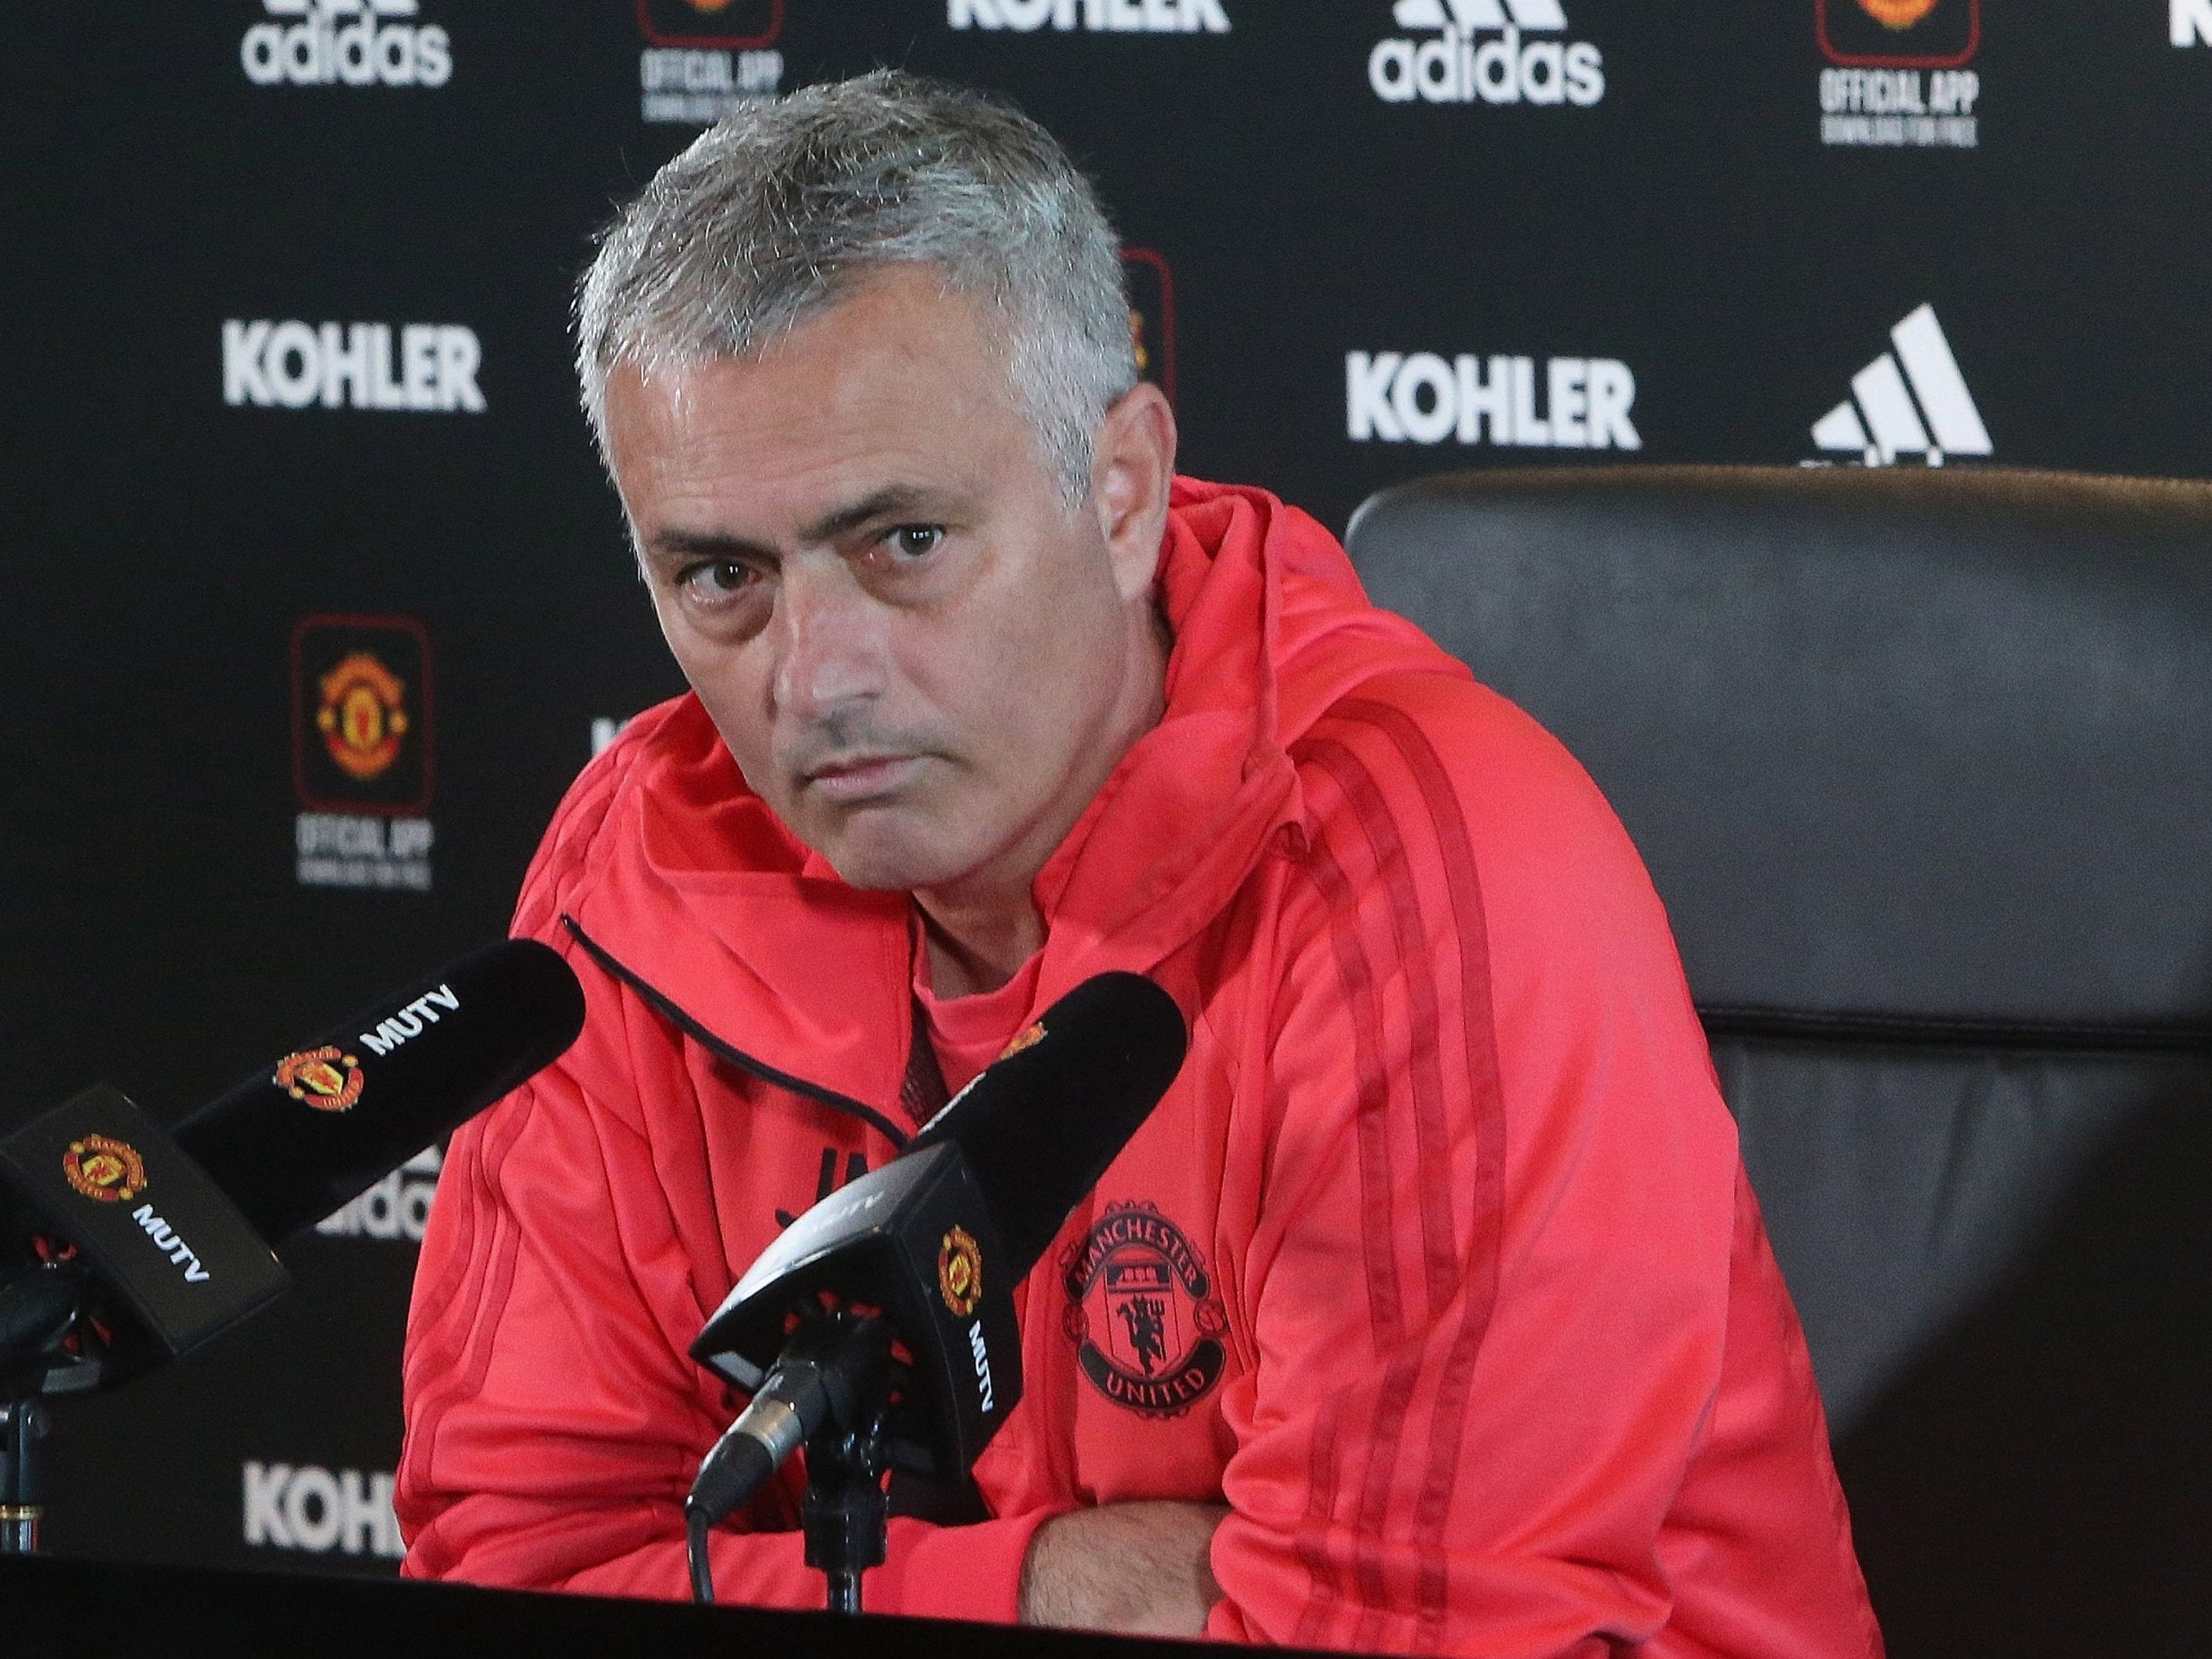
[698, 1522]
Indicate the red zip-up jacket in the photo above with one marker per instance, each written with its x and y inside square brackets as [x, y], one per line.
[1437, 1262]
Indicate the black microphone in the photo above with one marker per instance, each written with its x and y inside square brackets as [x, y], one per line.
[1038, 1127]
[177, 1225]
[928, 1249]
[293, 1143]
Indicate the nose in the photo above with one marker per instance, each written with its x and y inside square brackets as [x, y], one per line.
[831, 642]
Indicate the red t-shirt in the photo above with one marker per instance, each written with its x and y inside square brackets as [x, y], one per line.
[966, 1033]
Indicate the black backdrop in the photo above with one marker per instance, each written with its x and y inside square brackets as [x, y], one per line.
[314, 598]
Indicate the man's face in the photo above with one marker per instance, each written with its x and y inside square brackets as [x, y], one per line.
[913, 646]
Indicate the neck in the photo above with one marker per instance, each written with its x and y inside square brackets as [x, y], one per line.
[979, 930]
[977, 944]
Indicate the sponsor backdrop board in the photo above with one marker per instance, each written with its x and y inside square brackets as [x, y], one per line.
[315, 600]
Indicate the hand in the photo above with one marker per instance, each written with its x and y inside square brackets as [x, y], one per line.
[1138, 1568]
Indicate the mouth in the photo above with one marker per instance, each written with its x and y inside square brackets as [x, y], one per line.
[856, 779]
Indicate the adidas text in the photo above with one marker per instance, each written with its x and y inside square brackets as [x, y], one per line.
[350, 43]
[397, 1207]
[1479, 53]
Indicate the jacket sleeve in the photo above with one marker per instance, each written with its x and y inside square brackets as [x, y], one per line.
[554, 1420]
[1526, 1382]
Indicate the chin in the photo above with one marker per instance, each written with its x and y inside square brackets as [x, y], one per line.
[880, 865]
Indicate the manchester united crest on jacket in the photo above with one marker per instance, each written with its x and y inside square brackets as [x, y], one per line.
[1142, 1312]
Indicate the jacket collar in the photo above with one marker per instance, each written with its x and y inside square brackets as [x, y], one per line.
[702, 893]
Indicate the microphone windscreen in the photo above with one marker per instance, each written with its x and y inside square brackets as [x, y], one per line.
[297, 1140]
[1038, 1127]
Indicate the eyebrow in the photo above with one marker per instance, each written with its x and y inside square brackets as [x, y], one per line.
[891, 501]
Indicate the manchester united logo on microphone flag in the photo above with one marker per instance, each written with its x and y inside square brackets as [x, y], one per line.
[960, 1272]
[326, 1078]
[101, 1167]
[1143, 1313]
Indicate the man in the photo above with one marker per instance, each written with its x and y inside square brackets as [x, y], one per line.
[1429, 1311]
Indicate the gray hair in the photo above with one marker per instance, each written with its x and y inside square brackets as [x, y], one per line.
[773, 214]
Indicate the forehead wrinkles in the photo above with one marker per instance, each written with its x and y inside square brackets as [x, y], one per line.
[904, 350]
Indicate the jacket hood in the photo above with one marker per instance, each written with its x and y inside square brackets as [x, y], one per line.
[700, 891]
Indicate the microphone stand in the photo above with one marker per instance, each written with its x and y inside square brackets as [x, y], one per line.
[22, 1491]
[841, 1376]
[846, 1514]
[36, 1313]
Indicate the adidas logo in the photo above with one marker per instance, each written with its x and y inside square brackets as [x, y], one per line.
[352, 43]
[1912, 401]
[1504, 68]
[1472, 14]
[2189, 23]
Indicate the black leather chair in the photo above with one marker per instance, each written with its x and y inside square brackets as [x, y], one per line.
[1921, 762]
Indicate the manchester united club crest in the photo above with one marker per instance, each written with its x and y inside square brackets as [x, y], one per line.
[1143, 1313]
[363, 716]
[960, 1272]
[1903, 34]
[327, 1078]
[101, 1167]
[361, 710]
[706, 25]
[1897, 14]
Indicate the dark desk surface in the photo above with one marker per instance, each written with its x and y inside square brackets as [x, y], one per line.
[52, 1608]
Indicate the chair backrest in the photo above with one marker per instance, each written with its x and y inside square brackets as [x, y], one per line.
[1921, 764]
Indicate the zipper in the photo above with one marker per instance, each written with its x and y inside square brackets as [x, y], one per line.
[668, 1008]
[956, 1504]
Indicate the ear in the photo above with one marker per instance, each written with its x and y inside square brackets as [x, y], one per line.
[1132, 467]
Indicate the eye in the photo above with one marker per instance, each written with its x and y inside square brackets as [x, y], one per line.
[716, 580]
[915, 540]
